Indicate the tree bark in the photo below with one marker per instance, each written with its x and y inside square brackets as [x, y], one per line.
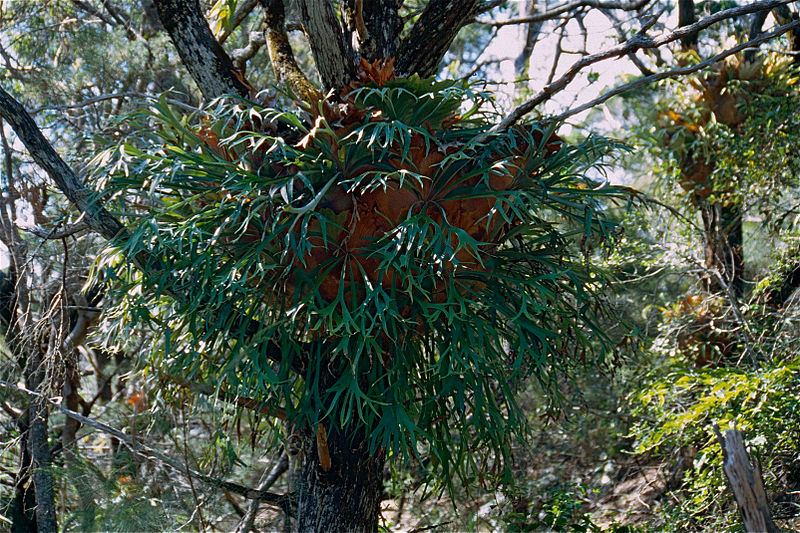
[281, 56]
[374, 26]
[41, 468]
[422, 50]
[333, 55]
[344, 498]
[209, 65]
[687, 17]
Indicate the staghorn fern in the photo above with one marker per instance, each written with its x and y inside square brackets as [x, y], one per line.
[429, 264]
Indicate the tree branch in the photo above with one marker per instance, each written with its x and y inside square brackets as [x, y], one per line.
[639, 41]
[46, 157]
[243, 8]
[278, 500]
[207, 62]
[426, 44]
[56, 232]
[567, 7]
[96, 216]
[674, 73]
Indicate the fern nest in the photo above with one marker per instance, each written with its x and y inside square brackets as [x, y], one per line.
[390, 150]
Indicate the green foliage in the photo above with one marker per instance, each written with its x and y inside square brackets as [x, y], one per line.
[727, 119]
[258, 283]
[678, 407]
[563, 511]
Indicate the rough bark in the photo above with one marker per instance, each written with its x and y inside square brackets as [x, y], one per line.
[344, 498]
[374, 27]
[40, 467]
[333, 55]
[204, 58]
[422, 50]
[784, 15]
[687, 17]
[744, 478]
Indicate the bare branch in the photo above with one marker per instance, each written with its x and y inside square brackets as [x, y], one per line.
[570, 6]
[280, 466]
[87, 102]
[639, 41]
[675, 73]
[54, 233]
[240, 56]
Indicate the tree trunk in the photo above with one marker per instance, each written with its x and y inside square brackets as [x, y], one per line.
[374, 27]
[41, 467]
[23, 515]
[333, 55]
[429, 39]
[344, 498]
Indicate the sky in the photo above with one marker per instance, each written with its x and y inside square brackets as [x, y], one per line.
[600, 35]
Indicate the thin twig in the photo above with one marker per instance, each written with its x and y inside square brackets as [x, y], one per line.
[641, 41]
[674, 73]
[278, 500]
